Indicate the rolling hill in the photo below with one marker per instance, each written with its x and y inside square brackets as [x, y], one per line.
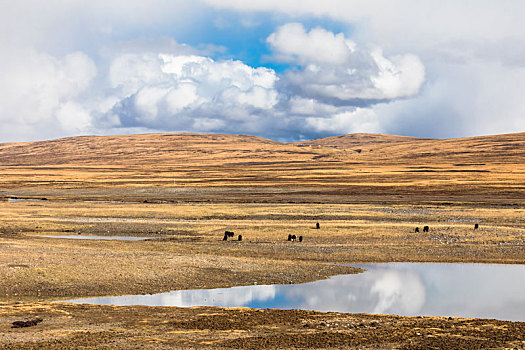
[342, 168]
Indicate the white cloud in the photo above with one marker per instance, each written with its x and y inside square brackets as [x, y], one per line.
[401, 76]
[309, 106]
[433, 68]
[73, 118]
[336, 68]
[182, 96]
[256, 96]
[316, 46]
[190, 92]
[359, 120]
[471, 51]
[147, 102]
[132, 71]
[168, 86]
[207, 124]
[481, 99]
[406, 22]
[38, 90]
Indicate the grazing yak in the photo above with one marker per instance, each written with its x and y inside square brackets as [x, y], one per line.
[22, 324]
[476, 226]
[239, 238]
[426, 229]
[416, 230]
[227, 234]
[317, 226]
[292, 238]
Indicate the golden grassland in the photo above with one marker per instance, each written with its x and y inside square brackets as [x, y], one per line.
[121, 327]
[191, 167]
[368, 192]
[189, 242]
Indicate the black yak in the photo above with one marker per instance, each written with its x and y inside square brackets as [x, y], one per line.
[30, 323]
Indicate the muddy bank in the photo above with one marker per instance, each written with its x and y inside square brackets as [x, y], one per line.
[35, 268]
[105, 327]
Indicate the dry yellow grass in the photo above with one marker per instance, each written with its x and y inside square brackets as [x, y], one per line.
[198, 186]
[191, 167]
[67, 326]
[187, 189]
[190, 252]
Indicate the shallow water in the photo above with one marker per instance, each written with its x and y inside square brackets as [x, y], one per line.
[114, 202]
[408, 289]
[15, 200]
[119, 238]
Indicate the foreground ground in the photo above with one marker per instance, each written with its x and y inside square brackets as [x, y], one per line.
[183, 192]
[186, 251]
[67, 326]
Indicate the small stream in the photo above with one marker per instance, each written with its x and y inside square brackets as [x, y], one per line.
[407, 289]
[118, 238]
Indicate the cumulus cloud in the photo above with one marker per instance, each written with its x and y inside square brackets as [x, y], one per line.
[189, 92]
[334, 67]
[472, 55]
[360, 119]
[119, 71]
[41, 92]
[148, 85]
[316, 46]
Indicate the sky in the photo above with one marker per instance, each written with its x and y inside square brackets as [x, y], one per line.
[287, 70]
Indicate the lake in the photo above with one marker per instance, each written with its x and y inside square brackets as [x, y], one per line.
[407, 289]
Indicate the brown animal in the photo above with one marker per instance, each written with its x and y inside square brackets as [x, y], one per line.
[294, 237]
[289, 237]
[426, 229]
[300, 238]
[30, 323]
[417, 229]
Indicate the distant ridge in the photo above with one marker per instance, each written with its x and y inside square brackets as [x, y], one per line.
[201, 167]
[192, 148]
[360, 139]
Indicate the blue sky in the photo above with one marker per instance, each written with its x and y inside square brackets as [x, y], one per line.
[287, 70]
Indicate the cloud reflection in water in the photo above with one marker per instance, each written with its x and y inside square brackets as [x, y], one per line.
[463, 290]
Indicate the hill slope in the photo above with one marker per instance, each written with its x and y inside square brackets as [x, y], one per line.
[220, 149]
[192, 167]
[501, 148]
[125, 149]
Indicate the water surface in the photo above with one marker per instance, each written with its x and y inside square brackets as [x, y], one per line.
[15, 200]
[119, 238]
[408, 289]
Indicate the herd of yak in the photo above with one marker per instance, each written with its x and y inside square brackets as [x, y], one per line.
[293, 238]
